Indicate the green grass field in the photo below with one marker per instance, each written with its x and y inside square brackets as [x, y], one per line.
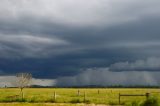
[69, 95]
[46, 104]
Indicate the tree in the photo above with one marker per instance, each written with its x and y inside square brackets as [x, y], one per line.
[23, 80]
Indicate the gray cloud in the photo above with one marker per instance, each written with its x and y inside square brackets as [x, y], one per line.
[30, 39]
[151, 64]
[95, 12]
[29, 45]
[103, 77]
[140, 72]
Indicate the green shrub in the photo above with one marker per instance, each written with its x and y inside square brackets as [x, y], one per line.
[51, 100]
[135, 103]
[21, 100]
[112, 103]
[87, 101]
[75, 101]
[150, 102]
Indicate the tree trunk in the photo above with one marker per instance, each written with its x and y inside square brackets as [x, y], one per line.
[22, 95]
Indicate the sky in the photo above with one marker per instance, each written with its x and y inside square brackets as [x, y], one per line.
[80, 42]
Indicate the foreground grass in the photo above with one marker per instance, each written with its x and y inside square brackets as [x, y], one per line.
[35, 104]
[45, 104]
[69, 95]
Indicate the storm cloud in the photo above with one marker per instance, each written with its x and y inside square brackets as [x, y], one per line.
[105, 77]
[55, 39]
[140, 72]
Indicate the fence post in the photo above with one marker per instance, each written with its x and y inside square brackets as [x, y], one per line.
[54, 95]
[147, 95]
[119, 98]
[78, 92]
[84, 96]
[98, 91]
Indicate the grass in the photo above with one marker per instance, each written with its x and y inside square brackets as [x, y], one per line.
[69, 95]
[40, 104]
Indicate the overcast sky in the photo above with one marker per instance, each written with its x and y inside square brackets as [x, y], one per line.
[81, 42]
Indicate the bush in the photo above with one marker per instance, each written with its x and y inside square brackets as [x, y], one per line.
[150, 102]
[87, 101]
[75, 101]
[21, 100]
[135, 103]
[113, 103]
[51, 100]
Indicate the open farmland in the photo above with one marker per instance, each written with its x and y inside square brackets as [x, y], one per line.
[72, 95]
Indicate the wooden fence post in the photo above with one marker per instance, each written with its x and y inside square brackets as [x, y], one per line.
[98, 91]
[84, 96]
[78, 92]
[147, 95]
[119, 98]
[54, 95]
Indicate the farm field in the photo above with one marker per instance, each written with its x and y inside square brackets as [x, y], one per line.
[110, 96]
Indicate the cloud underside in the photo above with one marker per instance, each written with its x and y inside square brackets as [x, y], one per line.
[140, 72]
[104, 77]
[57, 39]
[96, 76]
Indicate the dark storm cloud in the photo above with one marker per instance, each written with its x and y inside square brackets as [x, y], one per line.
[139, 72]
[103, 77]
[56, 38]
[150, 64]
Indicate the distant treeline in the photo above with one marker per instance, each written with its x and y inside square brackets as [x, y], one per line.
[98, 86]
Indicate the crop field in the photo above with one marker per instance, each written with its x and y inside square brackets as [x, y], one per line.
[72, 96]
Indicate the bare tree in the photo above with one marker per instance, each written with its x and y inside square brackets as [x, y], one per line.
[23, 80]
